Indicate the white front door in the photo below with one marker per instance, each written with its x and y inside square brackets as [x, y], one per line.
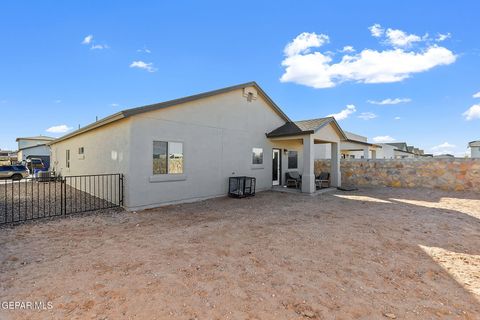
[276, 167]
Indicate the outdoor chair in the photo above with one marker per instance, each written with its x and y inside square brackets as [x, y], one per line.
[323, 179]
[293, 178]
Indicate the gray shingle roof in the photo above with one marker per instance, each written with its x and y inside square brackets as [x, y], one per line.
[313, 124]
[399, 145]
[303, 127]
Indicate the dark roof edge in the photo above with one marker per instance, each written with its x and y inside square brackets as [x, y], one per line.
[152, 107]
[30, 147]
[155, 106]
[35, 138]
[364, 143]
[300, 133]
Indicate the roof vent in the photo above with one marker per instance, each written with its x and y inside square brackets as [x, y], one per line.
[250, 93]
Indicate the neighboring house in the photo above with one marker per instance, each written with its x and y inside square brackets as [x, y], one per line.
[401, 150]
[34, 147]
[357, 147]
[387, 151]
[445, 155]
[185, 149]
[354, 147]
[8, 157]
[475, 148]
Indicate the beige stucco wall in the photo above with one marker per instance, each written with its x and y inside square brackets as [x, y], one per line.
[447, 174]
[106, 151]
[218, 134]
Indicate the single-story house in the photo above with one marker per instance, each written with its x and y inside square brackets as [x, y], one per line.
[387, 151]
[401, 150]
[34, 147]
[354, 147]
[474, 148]
[8, 157]
[186, 149]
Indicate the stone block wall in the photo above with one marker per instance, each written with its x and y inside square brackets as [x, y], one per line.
[447, 174]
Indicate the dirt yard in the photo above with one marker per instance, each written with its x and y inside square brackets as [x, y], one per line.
[370, 254]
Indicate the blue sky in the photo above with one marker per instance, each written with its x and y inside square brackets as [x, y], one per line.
[423, 55]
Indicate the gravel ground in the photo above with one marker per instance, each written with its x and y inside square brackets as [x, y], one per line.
[370, 254]
[30, 199]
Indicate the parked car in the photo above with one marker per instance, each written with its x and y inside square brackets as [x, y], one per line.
[14, 172]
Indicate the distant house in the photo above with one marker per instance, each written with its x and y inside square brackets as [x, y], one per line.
[186, 149]
[387, 151]
[8, 157]
[401, 150]
[354, 147]
[445, 155]
[34, 147]
[474, 148]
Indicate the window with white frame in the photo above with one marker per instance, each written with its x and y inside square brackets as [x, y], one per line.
[257, 156]
[67, 158]
[167, 157]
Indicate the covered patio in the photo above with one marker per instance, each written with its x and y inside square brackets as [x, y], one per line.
[303, 135]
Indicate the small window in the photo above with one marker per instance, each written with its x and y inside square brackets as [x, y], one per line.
[81, 150]
[167, 157]
[257, 156]
[67, 158]
[175, 157]
[292, 159]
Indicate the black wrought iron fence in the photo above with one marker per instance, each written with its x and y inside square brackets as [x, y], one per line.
[49, 196]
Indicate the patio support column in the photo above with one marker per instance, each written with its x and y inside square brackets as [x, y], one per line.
[335, 176]
[374, 154]
[366, 154]
[308, 176]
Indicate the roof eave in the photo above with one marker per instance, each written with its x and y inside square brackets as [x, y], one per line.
[114, 117]
[301, 133]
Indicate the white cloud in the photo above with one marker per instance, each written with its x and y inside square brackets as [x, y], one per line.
[303, 42]
[397, 118]
[114, 105]
[476, 95]
[442, 37]
[443, 148]
[350, 108]
[376, 30]
[318, 70]
[444, 145]
[348, 49]
[367, 115]
[88, 39]
[390, 101]
[144, 50]
[99, 47]
[383, 139]
[59, 129]
[472, 113]
[143, 65]
[398, 38]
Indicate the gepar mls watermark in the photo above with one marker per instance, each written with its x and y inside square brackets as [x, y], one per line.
[26, 305]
